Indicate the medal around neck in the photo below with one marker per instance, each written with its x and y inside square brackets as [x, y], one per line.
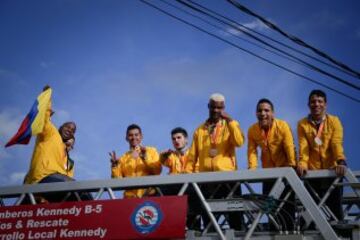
[318, 141]
[213, 152]
[136, 152]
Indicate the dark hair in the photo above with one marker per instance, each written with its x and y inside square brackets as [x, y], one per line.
[131, 127]
[265, 100]
[179, 130]
[319, 93]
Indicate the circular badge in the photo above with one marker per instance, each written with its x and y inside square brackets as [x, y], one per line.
[146, 217]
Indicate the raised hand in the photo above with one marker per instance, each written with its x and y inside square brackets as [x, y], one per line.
[164, 155]
[113, 160]
[142, 152]
[46, 87]
[301, 171]
[226, 116]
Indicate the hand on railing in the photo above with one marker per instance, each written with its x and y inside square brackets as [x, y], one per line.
[301, 170]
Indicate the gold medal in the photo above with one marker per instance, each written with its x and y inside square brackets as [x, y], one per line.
[318, 141]
[213, 152]
[317, 138]
[135, 154]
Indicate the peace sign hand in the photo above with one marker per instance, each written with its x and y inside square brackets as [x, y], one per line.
[114, 161]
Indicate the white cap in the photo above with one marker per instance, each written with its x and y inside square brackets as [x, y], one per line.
[217, 97]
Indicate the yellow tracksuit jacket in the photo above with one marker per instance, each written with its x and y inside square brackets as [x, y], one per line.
[136, 167]
[49, 154]
[230, 137]
[277, 150]
[324, 156]
[176, 163]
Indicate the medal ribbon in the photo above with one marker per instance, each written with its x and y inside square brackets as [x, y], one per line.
[215, 133]
[319, 131]
[136, 149]
[265, 136]
[183, 162]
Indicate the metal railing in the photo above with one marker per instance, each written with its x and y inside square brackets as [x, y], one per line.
[216, 209]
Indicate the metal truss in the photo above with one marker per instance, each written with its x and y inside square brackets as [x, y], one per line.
[257, 210]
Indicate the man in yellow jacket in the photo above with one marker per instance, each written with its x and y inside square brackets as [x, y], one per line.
[175, 159]
[321, 147]
[137, 162]
[49, 161]
[273, 136]
[213, 148]
[275, 140]
[214, 141]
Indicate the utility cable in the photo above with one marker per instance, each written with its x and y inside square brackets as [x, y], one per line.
[232, 34]
[251, 53]
[273, 47]
[293, 38]
[276, 41]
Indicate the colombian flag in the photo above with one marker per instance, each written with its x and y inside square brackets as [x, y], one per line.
[33, 123]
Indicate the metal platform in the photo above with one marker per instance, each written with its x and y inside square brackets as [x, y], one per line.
[257, 210]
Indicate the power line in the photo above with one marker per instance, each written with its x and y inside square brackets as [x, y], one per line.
[249, 52]
[293, 38]
[313, 67]
[234, 35]
[275, 41]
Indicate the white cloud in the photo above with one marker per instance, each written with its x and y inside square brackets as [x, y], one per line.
[232, 31]
[256, 25]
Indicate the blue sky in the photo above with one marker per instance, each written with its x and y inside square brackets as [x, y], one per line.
[113, 63]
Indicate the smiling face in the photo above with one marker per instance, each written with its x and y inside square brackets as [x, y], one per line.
[67, 131]
[265, 115]
[134, 137]
[317, 106]
[179, 141]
